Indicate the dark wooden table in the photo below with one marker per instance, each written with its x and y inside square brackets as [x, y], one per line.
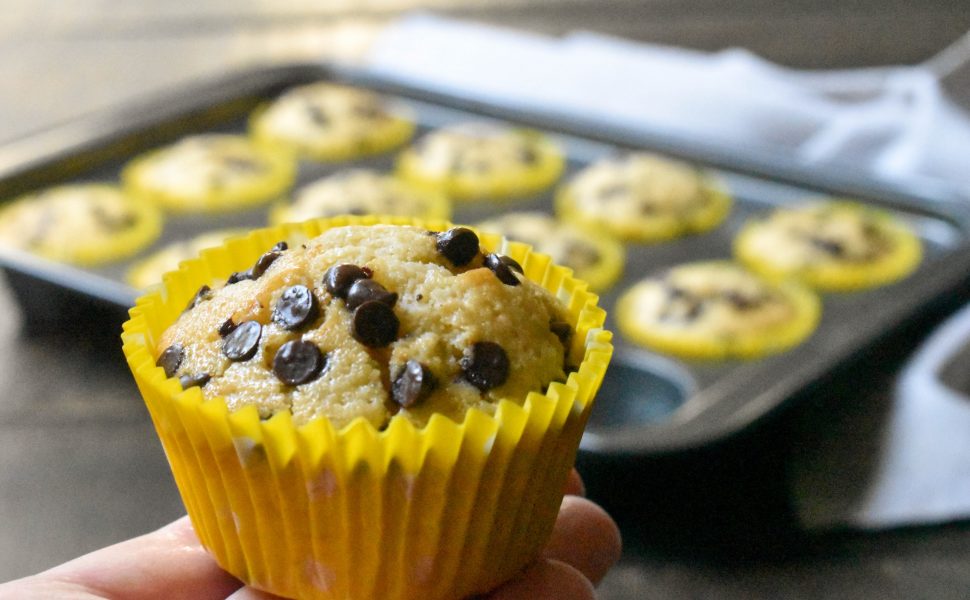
[80, 466]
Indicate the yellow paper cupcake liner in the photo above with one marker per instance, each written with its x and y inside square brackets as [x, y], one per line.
[378, 139]
[271, 186]
[834, 276]
[507, 185]
[444, 511]
[650, 229]
[701, 345]
[96, 250]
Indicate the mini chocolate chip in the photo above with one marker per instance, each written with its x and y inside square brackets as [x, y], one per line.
[296, 307]
[413, 384]
[459, 245]
[375, 324]
[281, 246]
[171, 359]
[485, 365]
[298, 362]
[317, 115]
[243, 342]
[364, 290]
[828, 246]
[238, 276]
[204, 293]
[198, 380]
[742, 302]
[227, 327]
[263, 263]
[503, 266]
[338, 279]
[562, 330]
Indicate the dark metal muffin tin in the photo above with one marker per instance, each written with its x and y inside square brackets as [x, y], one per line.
[649, 403]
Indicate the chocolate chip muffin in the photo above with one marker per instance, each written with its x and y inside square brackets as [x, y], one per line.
[830, 245]
[83, 224]
[361, 192]
[482, 161]
[210, 173]
[371, 322]
[594, 258]
[643, 197]
[716, 310]
[329, 122]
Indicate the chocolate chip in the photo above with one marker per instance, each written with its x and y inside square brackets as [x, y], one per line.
[243, 341]
[562, 330]
[375, 324]
[503, 266]
[828, 246]
[317, 115]
[459, 245]
[171, 359]
[238, 276]
[198, 380]
[204, 293]
[243, 164]
[298, 362]
[280, 246]
[263, 263]
[227, 327]
[296, 307]
[485, 365]
[413, 384]
[741, 301]
[338, 279]
[365, 290]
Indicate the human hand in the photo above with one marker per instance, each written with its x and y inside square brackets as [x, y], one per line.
[171, 564]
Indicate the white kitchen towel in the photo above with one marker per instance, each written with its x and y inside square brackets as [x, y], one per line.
[894, 122]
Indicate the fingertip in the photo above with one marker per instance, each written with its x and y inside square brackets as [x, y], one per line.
[547, 579]
[585, 537]
[574, 484]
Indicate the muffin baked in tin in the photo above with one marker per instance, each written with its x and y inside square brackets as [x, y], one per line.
[643, 197]
[360, 192]
[593, 257]
[482, 161]
[830, 245]
[210, 173]
[84, 224]
[329, 122]
[716, 310]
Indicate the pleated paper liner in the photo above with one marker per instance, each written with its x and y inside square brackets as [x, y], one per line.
[444, 511]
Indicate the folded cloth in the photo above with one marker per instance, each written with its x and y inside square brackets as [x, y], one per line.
[913, 451]
[894, 122]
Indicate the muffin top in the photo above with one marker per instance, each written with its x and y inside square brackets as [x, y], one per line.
[327, 121]
[360, 192]
[716, 309]
[643, 196]
[371, 322]
[82, 223]
[209, 172]
[482, 160]
[594, 258]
